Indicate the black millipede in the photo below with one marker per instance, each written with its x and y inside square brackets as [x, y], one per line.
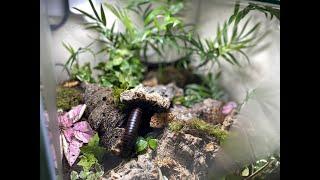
[131, 132]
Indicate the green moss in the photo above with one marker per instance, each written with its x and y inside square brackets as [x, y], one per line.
[208, 128]
[201, 126]
[175, 126]
[178, 100]
[116, 92]
[68, 97]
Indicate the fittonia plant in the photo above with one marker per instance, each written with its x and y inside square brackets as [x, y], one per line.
[73, 133]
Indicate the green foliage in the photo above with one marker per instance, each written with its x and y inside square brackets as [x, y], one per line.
[153, 143]
[116, 92]
[195, 93]
[74, 54]
[93, 148]
[68, 98]
[142, 144]
[267, 10]
[230, 38]
[122, 70]
[82, 73]
[74, 175]
[161, 24]
[92, 153]
[87, 161]
[88, 175]
[162, 27]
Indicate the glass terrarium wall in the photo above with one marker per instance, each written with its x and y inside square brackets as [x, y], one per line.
[257, 132]
[49, 132]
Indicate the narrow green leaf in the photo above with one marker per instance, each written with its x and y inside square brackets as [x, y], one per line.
[238, 17]
[112, 27]
[208, 43]
[236, 8]
[69, 48]
[123, 37]
[116, 41]
[244, 27]
[103, 16]
[234, 59]
[102, 50]
[113, 10]
[94, 10]
[85, 13]
[219, 38]
[93, 27]
[251, 31]
[134, 10]
[225, 33]
[231, 19]
[145, 51]
[262, 36]
[111, 30]
[200, 43]
[147, 11]
[194, 42]
[245, 55]
[156, 49]
[227, 59]
[234, 32]
[244, 42]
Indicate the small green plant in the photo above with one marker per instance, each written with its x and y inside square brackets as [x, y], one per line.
[195, 93]
[92, 153]
[88, 175]
[142, 144]
[74, 54]
[68, 98]
[87, 161]
[122, 70]
[82, 73]
[116, 92]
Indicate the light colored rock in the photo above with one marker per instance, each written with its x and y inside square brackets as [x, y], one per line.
[209, 110]
[159, 96]
[178, 156]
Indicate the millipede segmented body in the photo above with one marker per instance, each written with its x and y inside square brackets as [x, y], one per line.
[131, 131]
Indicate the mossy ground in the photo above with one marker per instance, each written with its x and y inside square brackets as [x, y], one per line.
[68, 97]
[199, 125]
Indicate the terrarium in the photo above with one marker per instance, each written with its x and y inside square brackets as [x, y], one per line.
[160, 89]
